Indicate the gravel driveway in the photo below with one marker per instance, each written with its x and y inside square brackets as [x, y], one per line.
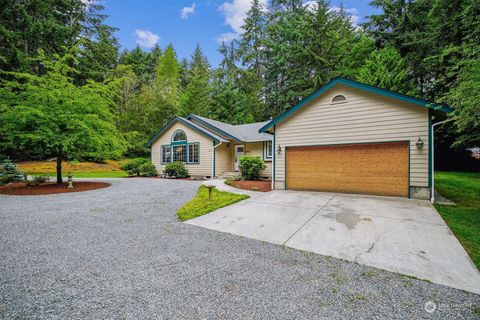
[121, 253]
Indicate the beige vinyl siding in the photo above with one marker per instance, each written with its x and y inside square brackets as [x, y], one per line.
[204, 168]
[365, 117]
[256, 149]
[222, 159]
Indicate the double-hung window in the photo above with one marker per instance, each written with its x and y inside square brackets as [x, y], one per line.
[193, 152]
[268, 149]
[166, 154]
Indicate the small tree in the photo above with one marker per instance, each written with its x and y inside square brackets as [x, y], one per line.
[51, 116]
[250, 167]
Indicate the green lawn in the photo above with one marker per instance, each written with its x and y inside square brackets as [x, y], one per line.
[200, 204]
[463, 218]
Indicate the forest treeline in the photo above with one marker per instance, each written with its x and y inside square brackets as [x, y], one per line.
[68, 89]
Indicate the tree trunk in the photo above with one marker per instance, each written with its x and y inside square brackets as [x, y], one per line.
[59, 167]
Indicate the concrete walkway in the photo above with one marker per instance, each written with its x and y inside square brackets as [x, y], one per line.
[395, 234]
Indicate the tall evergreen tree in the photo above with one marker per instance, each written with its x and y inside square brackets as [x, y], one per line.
[184, 71]
[234, 96]
[27, 26]
[158, 99]
[99, 56]
[252, 40]
[153, 56]
[196, 97]
[137, 59]
[386, 69]
[306, 46]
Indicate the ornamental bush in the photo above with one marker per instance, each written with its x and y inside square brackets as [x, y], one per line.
[148, 169]
[133, 166]
[176, 169]
[9, 172]
[250, 167]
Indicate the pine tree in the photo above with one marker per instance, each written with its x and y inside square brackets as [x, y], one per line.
[305, 48]
[137, 59]
[99, 56]
[184, 71]
[158, 99]
[233, 99]
[386, 69]
[153, 56]
[251, 44]
[196, 97]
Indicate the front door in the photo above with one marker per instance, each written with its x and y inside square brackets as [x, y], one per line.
[239, 152]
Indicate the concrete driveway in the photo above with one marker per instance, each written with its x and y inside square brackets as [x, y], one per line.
[394, 234]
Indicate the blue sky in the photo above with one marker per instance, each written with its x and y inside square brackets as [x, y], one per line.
[184, 23]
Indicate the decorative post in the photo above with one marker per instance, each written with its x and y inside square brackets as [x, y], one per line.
[70, 180]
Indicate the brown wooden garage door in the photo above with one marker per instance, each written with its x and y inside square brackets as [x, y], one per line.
[377, 168]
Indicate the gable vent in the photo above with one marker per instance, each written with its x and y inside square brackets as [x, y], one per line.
[339, 99]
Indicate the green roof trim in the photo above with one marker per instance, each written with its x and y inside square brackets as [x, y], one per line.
[358, 85]
[188, 124]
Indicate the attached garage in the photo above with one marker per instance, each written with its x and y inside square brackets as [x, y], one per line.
[355, 138]
[375, 168]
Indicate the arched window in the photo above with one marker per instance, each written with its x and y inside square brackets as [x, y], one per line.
[339, 99]
[179, 136]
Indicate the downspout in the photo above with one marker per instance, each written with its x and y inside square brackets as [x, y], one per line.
[213, 157]
[273, 159]
[432, 195]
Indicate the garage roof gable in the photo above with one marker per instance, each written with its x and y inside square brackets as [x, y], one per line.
[358, 85]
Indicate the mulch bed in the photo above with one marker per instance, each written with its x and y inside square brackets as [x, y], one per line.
[22, 189]
[159, 177]
[263, 186]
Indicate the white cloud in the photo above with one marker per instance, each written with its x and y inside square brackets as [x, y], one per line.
[88, 3]
[146, 38]
[311, 4]
[227, 37]
[352, 12]
[235, 13]
[186, 11]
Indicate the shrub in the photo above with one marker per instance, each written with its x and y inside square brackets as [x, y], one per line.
[228, 181]
[6, 179]
[148, 169]
[133, 166]
[9, 172]
[135, 142]
[250, 167]
[38, 180]
[176, 169]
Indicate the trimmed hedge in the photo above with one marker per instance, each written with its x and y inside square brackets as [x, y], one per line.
[176, 169]
[250, 167]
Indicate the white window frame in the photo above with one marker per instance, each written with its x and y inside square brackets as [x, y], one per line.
[169, 153]
[267, 149]
[193, 144]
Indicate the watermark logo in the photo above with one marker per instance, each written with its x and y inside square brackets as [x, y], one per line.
[430, 306]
